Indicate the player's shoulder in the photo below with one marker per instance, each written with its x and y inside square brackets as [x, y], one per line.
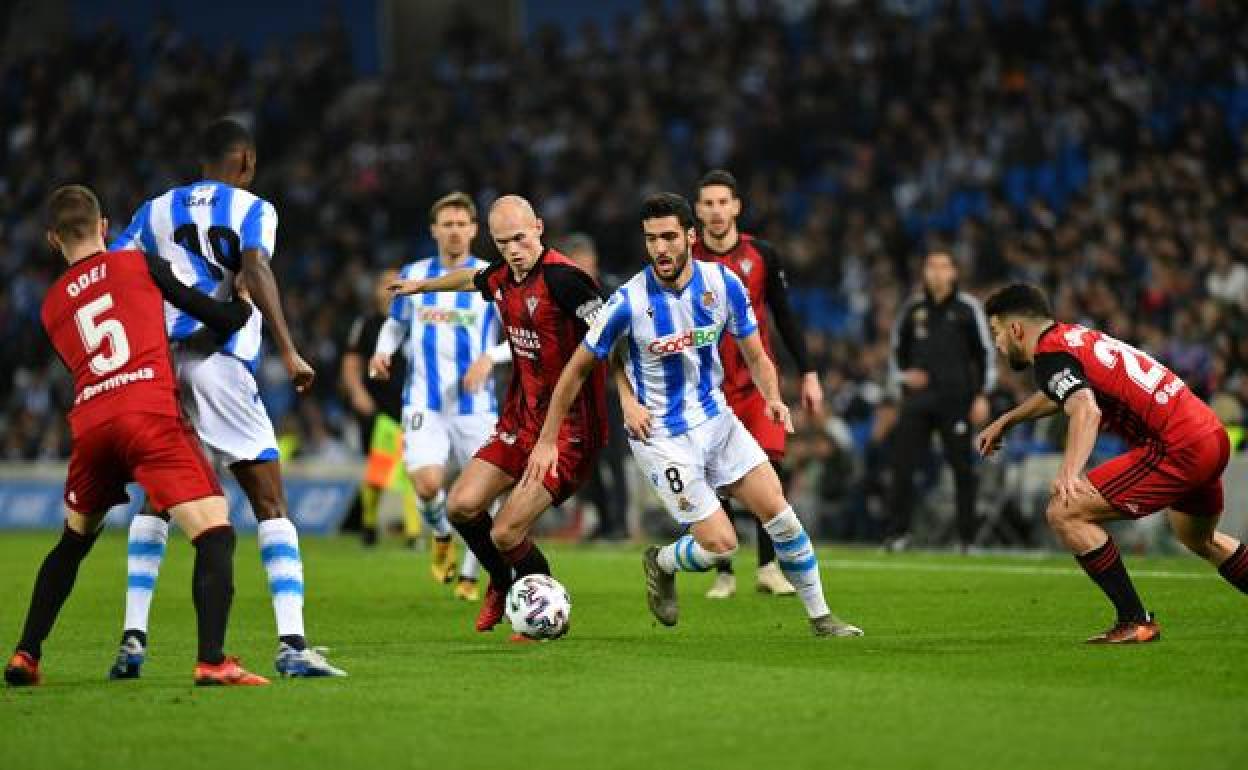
[1062, 338]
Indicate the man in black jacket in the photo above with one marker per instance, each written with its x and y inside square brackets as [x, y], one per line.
[943, 360]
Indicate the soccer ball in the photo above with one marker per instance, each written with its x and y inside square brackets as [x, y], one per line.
[538, 607]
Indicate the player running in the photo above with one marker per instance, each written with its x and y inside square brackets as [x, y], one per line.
[104, 316]
[449, 409]
[758, 266]
[1179, 449]
[691, 446]
[210, 232]
[544, 303]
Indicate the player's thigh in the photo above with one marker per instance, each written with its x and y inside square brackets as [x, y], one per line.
[469, 433]
[85, 523]
[196, 516]
[167, 460]
[516, 517]
[97, 476]
[737, 465]
[223, 402]
[1087, 505]
[426, 440]
[674, 466]
[476, 488]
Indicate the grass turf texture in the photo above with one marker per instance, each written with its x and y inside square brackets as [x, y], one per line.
[967, 662]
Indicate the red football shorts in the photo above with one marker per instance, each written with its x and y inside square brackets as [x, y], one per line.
[158, 451]
[751, 410]
[1150, 478]
[510, 454]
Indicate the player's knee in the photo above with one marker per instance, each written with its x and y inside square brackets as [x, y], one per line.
[425, 489]
[462, 505]
[1199, 543]
[506, 536]
[1058, 515]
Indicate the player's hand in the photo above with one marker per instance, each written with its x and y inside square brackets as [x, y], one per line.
[981, 410]
[405, 287]
[379, 367]
[778, 411]
[542, 461]
[991, 437]
[812, 395]
[1068, 486]
[301, 372]
[478, 373]
[637, 418]
[915, 379]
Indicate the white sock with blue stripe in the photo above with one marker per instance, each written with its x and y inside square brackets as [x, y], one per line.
[685, 555]
[434, 512]
[144, 553]
[279, 551]
[796, 556]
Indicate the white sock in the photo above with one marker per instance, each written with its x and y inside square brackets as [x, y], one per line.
[796, 556]
[685, 555]
[434, 512]
[144, 553]
[279, 551]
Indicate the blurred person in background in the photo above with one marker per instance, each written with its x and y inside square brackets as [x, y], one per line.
[943, 359]
[378, 407]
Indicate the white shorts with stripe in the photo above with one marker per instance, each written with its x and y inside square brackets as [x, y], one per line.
[434, 438]
[688, 470]
[222, 400]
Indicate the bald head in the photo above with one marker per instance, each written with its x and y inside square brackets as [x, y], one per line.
[517, 232]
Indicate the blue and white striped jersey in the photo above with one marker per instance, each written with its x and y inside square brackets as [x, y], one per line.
[203, 229]
[446, 332]
[672, 358]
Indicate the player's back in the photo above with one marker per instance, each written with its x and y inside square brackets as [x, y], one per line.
[1140, 399]
[104, 317]
[545, 317]
[202, 230]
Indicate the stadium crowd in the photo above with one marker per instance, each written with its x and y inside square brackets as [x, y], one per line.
[1097, 148]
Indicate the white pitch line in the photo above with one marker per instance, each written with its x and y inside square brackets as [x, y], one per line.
[1002, 568]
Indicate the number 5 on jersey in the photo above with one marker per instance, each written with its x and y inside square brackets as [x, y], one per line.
[94, 331]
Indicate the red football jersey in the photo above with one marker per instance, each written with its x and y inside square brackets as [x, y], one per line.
[1140, 400]
[748, 262]
[545, 317]
[106, 318]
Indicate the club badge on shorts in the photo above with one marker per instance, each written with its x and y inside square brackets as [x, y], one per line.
[708, 299]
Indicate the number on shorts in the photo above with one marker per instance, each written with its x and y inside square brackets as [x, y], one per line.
[416, 420]
[94, 333]
[674, 481]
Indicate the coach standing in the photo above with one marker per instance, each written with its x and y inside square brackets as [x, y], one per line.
[943, 359]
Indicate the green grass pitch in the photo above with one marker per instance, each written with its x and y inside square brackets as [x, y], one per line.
[967, 662]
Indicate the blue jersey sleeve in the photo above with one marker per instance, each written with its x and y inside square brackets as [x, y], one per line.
[741, 320]
[138, 234]
[259, 228]
[609, 324]
[401, 306]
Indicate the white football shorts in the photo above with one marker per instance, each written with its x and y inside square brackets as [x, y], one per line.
[222, 400]
[688, 470]
[433, 438]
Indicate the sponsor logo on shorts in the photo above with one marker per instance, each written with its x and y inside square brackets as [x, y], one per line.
[700, 337]
[684, 505]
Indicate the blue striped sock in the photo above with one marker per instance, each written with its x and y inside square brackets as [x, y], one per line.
[796, 556]
[434, 512]
[279, 551]
[685, 555]
[145, 550]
